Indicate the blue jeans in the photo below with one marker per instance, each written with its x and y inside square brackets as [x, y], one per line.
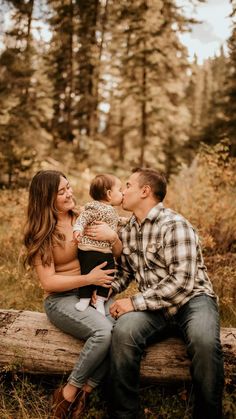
[88, 325]
[199, 322]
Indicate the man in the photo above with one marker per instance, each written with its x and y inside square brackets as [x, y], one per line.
[162, 253]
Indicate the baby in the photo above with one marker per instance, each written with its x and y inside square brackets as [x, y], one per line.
[106, 191]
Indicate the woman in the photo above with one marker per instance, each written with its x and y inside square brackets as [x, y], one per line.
[53, 253]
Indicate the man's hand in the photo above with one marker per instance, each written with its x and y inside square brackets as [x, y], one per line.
[122, 306]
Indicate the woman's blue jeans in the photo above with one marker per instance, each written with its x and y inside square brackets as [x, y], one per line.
[88, 325]
[199, 322]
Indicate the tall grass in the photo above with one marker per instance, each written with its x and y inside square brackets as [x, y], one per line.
[19, 289]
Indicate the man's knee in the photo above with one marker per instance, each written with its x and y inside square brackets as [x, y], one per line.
[129, 332]
[206, 354]
[123, 329]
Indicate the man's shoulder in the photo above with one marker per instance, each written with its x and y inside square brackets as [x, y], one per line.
[168, 217]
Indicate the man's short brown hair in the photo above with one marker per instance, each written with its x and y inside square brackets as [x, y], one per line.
[156, 180]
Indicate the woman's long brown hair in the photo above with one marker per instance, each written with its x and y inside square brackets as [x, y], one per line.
[40, 230]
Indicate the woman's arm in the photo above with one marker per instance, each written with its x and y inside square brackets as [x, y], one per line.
[54, 282]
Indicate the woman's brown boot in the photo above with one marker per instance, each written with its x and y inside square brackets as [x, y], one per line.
[61, 408]
[81, 402]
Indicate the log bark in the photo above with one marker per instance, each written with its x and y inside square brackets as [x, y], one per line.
[30, 343]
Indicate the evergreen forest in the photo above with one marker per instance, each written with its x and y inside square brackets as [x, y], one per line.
[106, 85]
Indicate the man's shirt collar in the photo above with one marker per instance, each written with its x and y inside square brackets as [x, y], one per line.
[152, 215]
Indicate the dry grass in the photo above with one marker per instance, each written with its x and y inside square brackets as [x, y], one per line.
[222, 271]
[28, 397]
[22, 398]
[205, 194]
[19, 289]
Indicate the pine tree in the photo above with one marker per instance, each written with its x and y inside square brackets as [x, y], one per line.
[216, 98]
[17, 94]
[88, 55]
[206, 101]
[150, 70]
[230, 107]
[61, 68]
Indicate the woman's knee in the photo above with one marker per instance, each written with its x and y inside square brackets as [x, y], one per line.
[103, 335]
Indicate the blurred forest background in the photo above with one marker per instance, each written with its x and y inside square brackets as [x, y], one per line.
[108, 86]
[89, 86]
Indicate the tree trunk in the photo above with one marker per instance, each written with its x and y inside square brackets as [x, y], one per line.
[143, 109]
[121, 139]
[94, 120]
[69, 116]
[28, 44]
[87, 61]
[30, 343]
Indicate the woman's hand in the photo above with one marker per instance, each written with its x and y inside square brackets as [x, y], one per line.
[101, 231]
[98, 276]
[77, 236]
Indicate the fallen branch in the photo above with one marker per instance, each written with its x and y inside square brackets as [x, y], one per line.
[30, 343]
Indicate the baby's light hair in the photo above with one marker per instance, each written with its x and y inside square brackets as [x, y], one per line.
[100, 185]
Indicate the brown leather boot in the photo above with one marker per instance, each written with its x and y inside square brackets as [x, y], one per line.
[81, 402]
[61, 408]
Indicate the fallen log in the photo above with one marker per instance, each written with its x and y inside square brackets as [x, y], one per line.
[30, 343]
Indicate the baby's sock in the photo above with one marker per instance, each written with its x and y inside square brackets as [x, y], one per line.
[100, 304]
[82, 304]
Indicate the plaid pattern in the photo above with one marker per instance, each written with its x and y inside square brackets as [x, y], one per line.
[164, 256]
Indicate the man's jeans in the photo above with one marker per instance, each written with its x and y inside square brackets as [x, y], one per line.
[199, 322]
[89, 325]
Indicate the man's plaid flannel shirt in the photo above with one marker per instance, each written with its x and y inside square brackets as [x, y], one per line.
[164, 256]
